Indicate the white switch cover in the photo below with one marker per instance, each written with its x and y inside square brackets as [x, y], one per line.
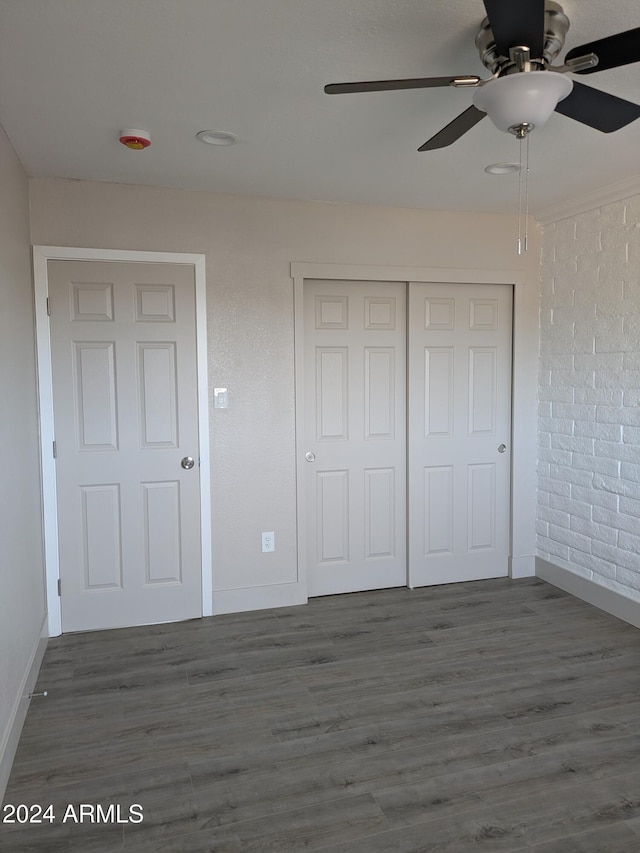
[220, 398]
[268, 542]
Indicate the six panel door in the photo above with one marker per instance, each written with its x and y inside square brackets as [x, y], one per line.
[459, 432]
[125, 411]
[355, 446]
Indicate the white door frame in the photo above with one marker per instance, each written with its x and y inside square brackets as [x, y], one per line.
[41, 256]
[523, 391]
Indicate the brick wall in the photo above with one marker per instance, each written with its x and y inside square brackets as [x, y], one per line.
[589, 419]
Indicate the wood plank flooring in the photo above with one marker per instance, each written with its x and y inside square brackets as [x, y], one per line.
[491, 716]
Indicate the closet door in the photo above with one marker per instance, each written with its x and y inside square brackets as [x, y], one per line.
[459, 432]
[354, 449]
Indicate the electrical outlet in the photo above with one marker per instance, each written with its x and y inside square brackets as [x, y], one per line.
[268, 542]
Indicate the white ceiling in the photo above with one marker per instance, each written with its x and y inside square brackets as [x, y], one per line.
[73, 73]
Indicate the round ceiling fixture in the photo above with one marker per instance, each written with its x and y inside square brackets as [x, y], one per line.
[522, 100]
[136, 140]
[217, 137]
[502, 168]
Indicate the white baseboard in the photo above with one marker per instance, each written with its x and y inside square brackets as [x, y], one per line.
[522, 567]
[606, 599]
[258, 598]
[12, 733]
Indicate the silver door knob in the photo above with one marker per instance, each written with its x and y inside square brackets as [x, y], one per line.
[502, 448]
[188, 462]
[310, 457]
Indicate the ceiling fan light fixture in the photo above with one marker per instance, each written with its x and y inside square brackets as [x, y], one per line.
[526, 98]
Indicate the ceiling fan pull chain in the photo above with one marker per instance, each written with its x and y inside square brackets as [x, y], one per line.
[526, 198]
[520, 199]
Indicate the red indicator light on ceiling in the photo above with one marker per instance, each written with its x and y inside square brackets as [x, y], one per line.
[136, 140]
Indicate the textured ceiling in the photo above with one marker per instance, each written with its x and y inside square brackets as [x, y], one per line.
[73, 73]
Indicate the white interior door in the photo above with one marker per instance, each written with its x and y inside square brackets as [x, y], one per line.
[459, 431]
[125, 411]
[355, 435]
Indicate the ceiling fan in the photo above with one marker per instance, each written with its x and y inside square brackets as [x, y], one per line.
[517, 42]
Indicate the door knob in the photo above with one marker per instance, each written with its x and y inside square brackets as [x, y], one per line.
[310, 457]
[188, 462]
[502, 448]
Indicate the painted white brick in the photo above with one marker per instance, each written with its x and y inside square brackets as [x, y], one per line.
[554, 394]
[573, 378]
[556, 425]
[576, 443]
[595, 497]
[593, 564]
[632, 210]
[615, 520]
[630, 543]
[628, 577]
[543, 468]
[544, 439]
[544, 411]
[563, 231]
[630, 472]
[606, 432]
[542, 528]
[595, 465]
[599, 396]
[554, 487]
[571, 475]
[617, 556]
[598, 361]
[616, 307]
[616, 486]
[557, 362]
[554, 457]
[550, 548]
[623, 342]
[631, 435]
[615, 450]
[570, 538]
[590, 347]
[592, 530]
[631, 327]
[620, 379]
[574, 508]
[573, 412]
[631, 506]
[552, 516]
[616, 415]
[583, 312]
[609, 216]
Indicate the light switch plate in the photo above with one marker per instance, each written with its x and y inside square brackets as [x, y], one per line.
[220, 398]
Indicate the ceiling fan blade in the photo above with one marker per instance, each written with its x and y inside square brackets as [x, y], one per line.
[390, 85]
[454, 130]
[620, 49]
[517, 22]
[598, 109]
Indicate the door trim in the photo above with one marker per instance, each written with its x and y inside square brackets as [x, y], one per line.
[524, 375]
[41, 256]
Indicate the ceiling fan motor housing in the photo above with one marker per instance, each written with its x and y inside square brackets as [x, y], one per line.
[556, 26]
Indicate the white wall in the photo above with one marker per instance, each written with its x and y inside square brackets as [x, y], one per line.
[249, 244]
[22, 605]
[589, 456]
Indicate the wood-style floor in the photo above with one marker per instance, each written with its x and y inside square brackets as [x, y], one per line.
[491, 716]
